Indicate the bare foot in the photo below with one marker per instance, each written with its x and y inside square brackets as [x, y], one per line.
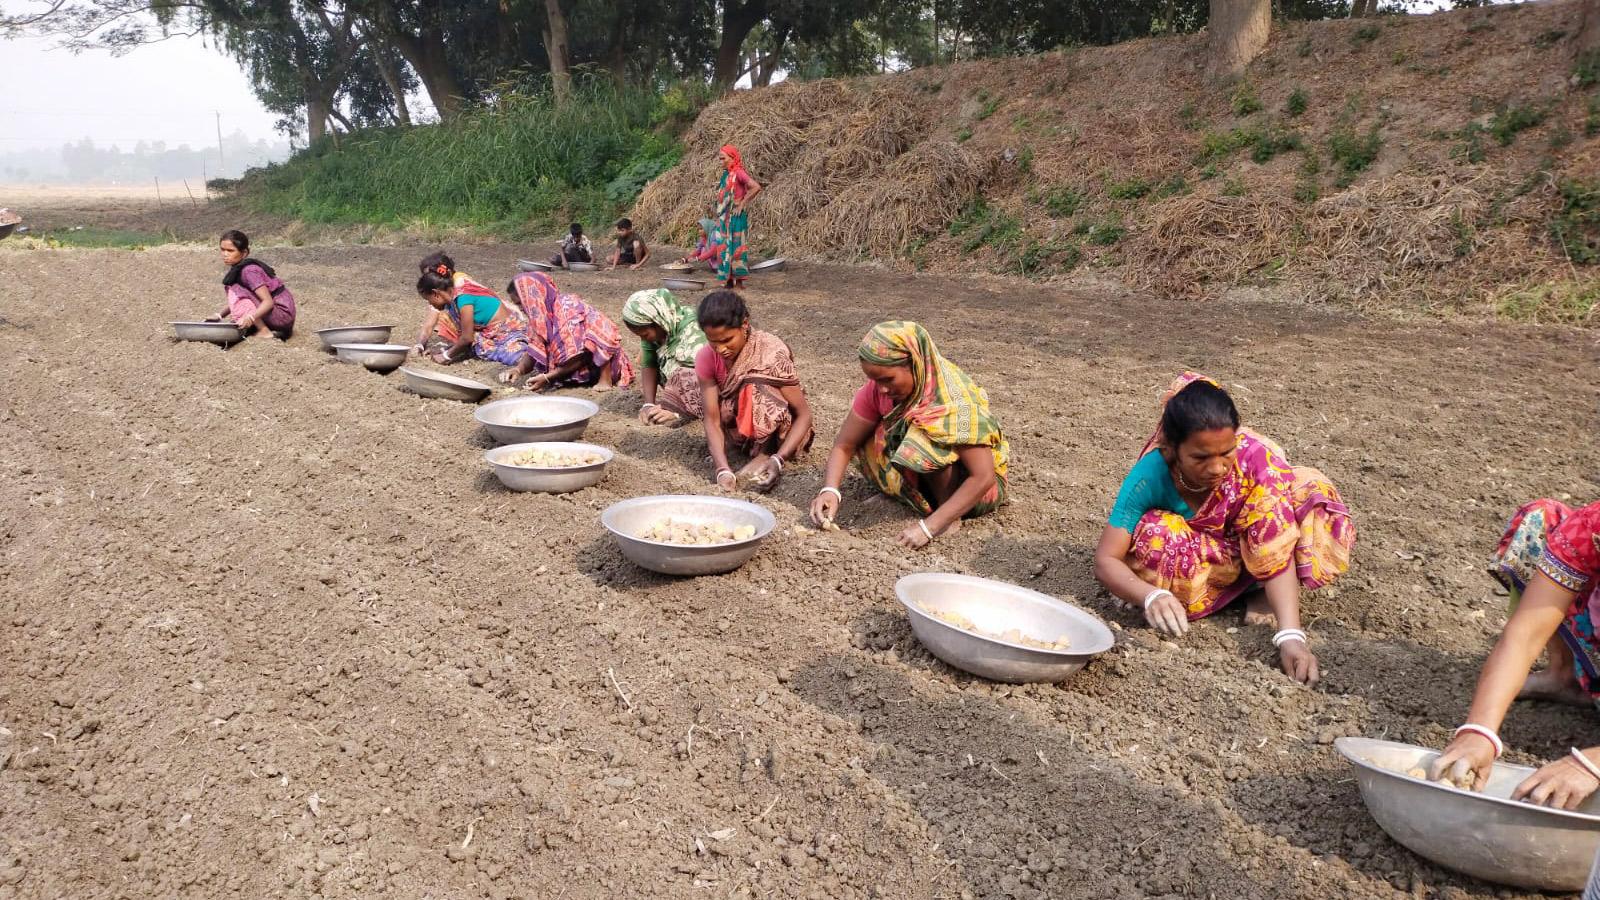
[602, 388]
[1555, 686]
[1257, 611]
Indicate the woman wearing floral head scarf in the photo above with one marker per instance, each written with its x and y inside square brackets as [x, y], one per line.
[922, 432]
[669, 338]
[734, 193]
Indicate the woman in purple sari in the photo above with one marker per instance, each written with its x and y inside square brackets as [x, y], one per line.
[256, 296]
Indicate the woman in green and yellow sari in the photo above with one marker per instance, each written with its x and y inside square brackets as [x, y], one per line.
[922, 432]
[734, 194]
[669, 337]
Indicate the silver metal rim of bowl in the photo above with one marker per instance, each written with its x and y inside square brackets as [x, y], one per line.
[903, 595]
[606, 456]
[768, 521]
[356, 328]
[1346, 748]
[465, 384]
[483, 413]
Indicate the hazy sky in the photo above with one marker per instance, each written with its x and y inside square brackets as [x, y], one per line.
[169, 92]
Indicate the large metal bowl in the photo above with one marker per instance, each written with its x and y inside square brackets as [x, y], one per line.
[581, 267]
[439, 386]
[546, 480]
[996, 607]
[377, 357]
[211, 332]
[533, 265]
[775, 264]
[626, 519]
[684, 284]
[1487, 835]
[567, 418]
[354, 334]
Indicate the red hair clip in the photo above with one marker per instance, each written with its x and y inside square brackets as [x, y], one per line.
[442, 269]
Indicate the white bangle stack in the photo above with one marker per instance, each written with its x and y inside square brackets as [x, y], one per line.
[1151, 597]
[1486, 733]
[1288, 634]
[831, 490]
[1588, 765]
[779, 460]
[924, 524]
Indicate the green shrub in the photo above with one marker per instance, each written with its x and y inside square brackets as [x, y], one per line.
[1061, 201]
[1510, 119]
[1172, 187]
[1587, 72]
[1591, 121]
[1547, 39]
[990, 104]
[1471, 148]
[1366, 34]
[1306, 190]
[1131, 189]
[1566, 302]
[1353, 152]
[964, 135]
[1577, 226]
[1244, 100]
[1106, 233]
[1041, 257]
[1297, 103]
[982, 225]
[1233, 187]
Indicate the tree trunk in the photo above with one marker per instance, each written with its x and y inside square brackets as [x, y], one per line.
[1238, 31]
[1360, 9]
[389, 70]
[424, 50]
[555, 47]
[617, 50]
[769, 66]
[316, 116]
[737, 23]
[1588, 40]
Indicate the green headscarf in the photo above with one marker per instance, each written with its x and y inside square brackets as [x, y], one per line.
[684, 337]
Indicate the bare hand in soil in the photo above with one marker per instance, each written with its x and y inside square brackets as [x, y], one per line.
[912, 537]
[1468, 759]
[509, 376]
[1298, 662]
[727, 480]
[1562, 784]
[823, 510]
[538, 383]
[1167, 616]
[655, 415]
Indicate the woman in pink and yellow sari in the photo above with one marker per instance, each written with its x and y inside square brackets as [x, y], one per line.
[1212, 510]
[570, 343]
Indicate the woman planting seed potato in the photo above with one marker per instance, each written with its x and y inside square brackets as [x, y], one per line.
[570, 343]
[255, 295]
[922, 432]
[750, 396]
[669, 340]
[484, 327]
[437, 327]
[1212, 510]
[1549, 560]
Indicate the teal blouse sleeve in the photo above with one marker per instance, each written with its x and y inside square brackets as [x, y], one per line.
[1148, 486]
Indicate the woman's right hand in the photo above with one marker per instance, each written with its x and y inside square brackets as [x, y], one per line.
[727, 480]
[652, 414]
[1166, 615]
[824, 509]
[1467, 752]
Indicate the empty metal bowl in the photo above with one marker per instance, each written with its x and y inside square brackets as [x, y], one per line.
[993, 608]
[354, 334]
[444, 387]
[627, 519]
[775, 264]
[211, 332]
[1487, 835]
[533, 265]
[678, 267]
[684, 284]
[581, 267]
[547, 480]
[517, 420]
[377, 357]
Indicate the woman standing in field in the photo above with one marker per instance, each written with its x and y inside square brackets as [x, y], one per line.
[1549, 561]
[750, 395]
[922, 432]
[570, 343]
[1211, 510]
[484, 327]
[437, 324]
[669, 339]
[255, 295]
[734, 193]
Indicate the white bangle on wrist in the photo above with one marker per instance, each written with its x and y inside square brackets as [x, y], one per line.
[829, 489]
[1151, 597]
[1587, 763]
[1289, 634]
[1486, 733]
[923, 524]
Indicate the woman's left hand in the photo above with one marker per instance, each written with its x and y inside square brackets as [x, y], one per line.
[914, 537]
[443, 358]
[246, 320]
[509, 376]
[538, 382]
[1298, 662]
[1562, 784]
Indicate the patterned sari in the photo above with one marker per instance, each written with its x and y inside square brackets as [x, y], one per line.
[733, 221]
[674, 357]
[1550, 537]
[446, 328]
[751, 395]
[562, 326]
[922, 434]
[1264, 517]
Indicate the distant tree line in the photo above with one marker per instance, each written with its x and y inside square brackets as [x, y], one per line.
[352, 63]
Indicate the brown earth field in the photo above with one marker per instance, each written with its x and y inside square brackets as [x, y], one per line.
[271, 629]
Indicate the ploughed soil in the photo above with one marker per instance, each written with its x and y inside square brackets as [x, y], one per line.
[270, 627]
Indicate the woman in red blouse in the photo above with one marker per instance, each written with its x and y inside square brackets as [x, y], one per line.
[1548, 560]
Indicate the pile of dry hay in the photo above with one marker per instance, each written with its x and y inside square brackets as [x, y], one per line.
[846, 172]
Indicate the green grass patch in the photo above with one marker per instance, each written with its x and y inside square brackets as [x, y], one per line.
[1244, 100]
[1577, 226]
[990, 104]
[1264, 142]
[1038, 258]
[1103, 233]
[1131, 189]
[980, 225]
[1297, 103]
[1233, 187]
[1512, 118]
[1565, 302]
[1353, 152]
[1544, 40]
[1471, 147]
[1591, 119]
[91, 238]
[523, 165]
[1587, 71]
[1366, 34]
[964, 135]
[1061, 202]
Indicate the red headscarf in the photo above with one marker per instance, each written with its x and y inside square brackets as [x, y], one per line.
[736, 161]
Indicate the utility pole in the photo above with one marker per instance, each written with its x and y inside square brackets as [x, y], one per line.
[221, 165]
